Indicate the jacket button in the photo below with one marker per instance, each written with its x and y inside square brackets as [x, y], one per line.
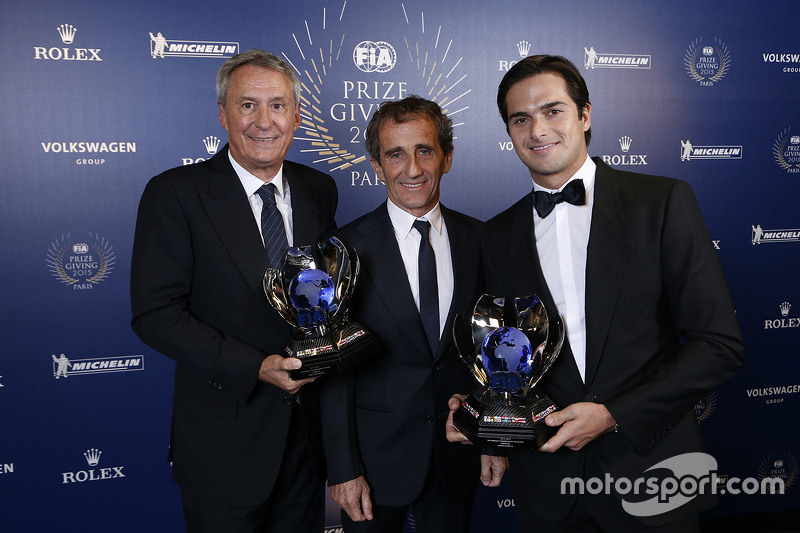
[590, 397]
[429, 419]
[287, 400]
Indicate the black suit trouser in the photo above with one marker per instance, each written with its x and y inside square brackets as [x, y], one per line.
[295, 505]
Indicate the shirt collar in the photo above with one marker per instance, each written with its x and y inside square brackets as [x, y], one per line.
[585, 173]
[403, 221]
[251, 183]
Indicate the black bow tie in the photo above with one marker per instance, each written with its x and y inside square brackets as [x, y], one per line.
[574, 193]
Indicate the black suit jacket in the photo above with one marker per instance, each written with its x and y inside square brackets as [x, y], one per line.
[197, 297]
[652, 277]
[387, 419]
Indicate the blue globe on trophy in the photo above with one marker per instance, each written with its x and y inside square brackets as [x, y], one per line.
[311, 289]
[312, 293]
[507, 355]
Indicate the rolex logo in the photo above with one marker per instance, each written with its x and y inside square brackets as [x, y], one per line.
[92, 474]
[211, 143]
[785, 306]
[92, 456]
[67, 33]
[625, 143]
[523, 47]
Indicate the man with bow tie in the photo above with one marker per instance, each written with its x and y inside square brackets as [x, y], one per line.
[627, 262]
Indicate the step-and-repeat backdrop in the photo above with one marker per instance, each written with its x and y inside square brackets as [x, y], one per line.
[99, 96]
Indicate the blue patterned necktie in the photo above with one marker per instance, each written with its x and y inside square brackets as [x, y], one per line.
[428, 286]
[272, 227]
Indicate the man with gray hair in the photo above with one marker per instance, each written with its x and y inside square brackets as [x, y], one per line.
[244, 443]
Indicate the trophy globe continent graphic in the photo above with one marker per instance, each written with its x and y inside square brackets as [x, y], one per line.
[312, 289]
[507, 357]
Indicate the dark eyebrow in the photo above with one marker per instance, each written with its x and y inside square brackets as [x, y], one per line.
[551, 105]
[397, 149]
[548, 105]
[390, 151]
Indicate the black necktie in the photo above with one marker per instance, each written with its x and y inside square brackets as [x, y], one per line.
[574, 193]
[428, 286]
[272, 227]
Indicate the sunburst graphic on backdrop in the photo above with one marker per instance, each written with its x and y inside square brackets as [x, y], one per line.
[441, 77]
[321, 48]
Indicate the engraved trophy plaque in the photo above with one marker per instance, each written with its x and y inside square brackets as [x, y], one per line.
[508, 356]
[312, 293]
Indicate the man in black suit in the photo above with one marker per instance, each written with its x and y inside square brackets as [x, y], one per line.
[384, 432]
[240, 449]
[627, 261]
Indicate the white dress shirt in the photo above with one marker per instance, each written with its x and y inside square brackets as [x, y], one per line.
[561, 241]
[283, 197]
[408, 239]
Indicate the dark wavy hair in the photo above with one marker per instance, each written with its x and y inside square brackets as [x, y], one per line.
[539, 64]
[409, 108]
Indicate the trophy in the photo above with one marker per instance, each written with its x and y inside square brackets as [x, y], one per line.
[312, 293]
[508, 358]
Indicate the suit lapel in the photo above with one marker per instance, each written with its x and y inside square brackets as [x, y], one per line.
[385, 274]
[231, 215]
[607, 254]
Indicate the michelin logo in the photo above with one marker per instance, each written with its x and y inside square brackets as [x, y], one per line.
[161, 48]
[64, 367]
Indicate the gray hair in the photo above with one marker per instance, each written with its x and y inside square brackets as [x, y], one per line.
[258, 58]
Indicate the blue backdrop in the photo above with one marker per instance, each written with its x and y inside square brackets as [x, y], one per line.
[97, 102]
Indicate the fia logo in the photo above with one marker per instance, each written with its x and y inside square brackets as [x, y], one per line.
[338, 103]
[81, 264]
[786, 150]
[784, 468]
[707, 64]
[378, 56]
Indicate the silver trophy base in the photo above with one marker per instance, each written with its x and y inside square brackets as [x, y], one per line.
[331, 353]
[487, 420]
